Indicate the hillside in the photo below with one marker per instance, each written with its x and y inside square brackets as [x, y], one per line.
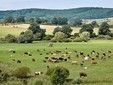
[81, 13]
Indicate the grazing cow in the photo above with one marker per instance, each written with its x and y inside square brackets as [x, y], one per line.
[53, 60]
[81, 64]
[46, 57]
[93, 52]
[19, 61]
[81, 53]
[44, 61]
[85, 68]
[74, 62]
[109, 51]
[86, 58]
[94, 62]
[93, 59]
[83, 74]
[38, 50]
[33, 59]
[38, 73]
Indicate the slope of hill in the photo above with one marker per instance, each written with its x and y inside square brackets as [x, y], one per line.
[81, 13]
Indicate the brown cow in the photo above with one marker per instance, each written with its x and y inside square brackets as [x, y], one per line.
[83, 74]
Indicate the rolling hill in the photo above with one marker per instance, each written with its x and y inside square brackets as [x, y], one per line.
[75, 13]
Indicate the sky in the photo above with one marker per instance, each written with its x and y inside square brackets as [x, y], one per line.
[53, 4]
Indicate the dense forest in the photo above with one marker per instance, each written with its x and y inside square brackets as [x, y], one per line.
[70, 14]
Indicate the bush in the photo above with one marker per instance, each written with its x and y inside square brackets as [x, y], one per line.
[78, 39]
[48, 37]
[104, 37]
[58, 75]
[111, 34]
[10, 38]
[5, 72]
[38, 82]
[22, 72]
[93, 35]
[76, 35]
[66, 40]
[77, 81]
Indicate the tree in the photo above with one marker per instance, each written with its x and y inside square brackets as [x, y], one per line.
[9, 19]
[10, 38]
[57, 29]
[38, 21]
[37, 30]
[28, 36]
[94, 23]
[20, 19]
[66, 29]
[85, 36]
[54, 21]
[59, 21]
[88, 28]
[77, 22]
[59, 36]
[104, 29]
[58, 75]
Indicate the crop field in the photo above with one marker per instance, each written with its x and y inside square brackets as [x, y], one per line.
[97, 74]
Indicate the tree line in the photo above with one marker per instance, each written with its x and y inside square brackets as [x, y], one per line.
[62, 33]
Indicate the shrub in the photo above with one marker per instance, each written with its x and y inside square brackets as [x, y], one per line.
[66, 40]
[58, 75]
[104, 37]
[38, 82]
[5, 72]
[48, 37]
[111, 34]
[77, 81]
[10, 38]
[76, 35]
[22, 72]
[78, 39]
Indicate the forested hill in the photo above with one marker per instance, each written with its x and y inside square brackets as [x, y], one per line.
[81, 13]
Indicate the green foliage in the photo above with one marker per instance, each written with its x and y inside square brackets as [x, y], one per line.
[94, 24]
[22, 72]
[77, 13]
[59, 36]
[48, 37]
[57, 29]
[10, 38]
[104, 37]
[6, 72]
[77, 22]
[76, 35]
[37, 31]
[78, 39]
[66, 29]
[58, 75]
[9, 19]
[38, 82]
[85, 36]
[88, 28]
[77, 81]
[59, 21]
[20, 19]
[104, 29]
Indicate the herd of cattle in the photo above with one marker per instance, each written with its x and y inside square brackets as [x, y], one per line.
[65, 56]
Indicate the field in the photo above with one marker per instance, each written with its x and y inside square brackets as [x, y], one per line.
[99, 74]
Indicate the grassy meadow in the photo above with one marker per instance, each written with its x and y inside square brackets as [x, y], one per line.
[99, 74]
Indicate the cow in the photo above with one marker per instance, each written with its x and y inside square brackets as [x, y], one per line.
[38, 73]
[83, 74]
[94, 62]
[18, 61]
[74, 62]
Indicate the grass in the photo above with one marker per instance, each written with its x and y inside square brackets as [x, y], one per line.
[100, 74]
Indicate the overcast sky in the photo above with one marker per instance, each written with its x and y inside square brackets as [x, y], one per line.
[53, 4]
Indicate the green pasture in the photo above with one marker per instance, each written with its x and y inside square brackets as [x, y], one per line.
[100, 74]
